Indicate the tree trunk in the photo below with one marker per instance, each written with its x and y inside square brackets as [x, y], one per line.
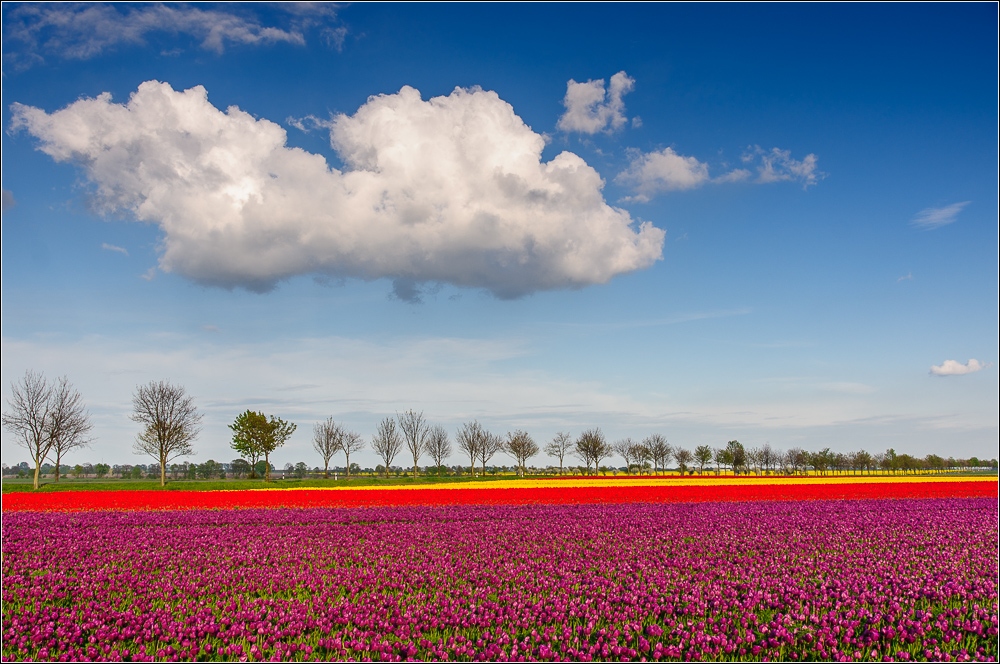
[326, 469]
[163, 473]
[347, 460]
[414, 468]
[58, 459]
[267, 467]
[38, 470]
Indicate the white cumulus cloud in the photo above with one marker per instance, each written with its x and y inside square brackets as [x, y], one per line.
[450, 190]
[955, 368]
[929, 219]
[590, 108]
[655, 172]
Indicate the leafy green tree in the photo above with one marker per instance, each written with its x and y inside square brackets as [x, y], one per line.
[101, 470]
[703, 455]
[256, 436]
[239, 468]
[737, 456]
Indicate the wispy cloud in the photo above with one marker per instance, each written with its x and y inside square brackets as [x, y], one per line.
[652, 173]
[114, 247]
[591, 109]
[906, 277]
[78, 31]
[149, 274]
[955, 368]
[929, 219]
[8, 200]
[777, 165]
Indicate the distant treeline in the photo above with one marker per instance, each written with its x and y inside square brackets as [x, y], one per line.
[49, 420]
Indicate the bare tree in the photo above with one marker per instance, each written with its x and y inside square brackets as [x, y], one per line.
[625, 448]
[327, 439]
[768, 457]
[414, 430]
[560, 446]
[69, 423]
[703, 455]
[522, 447]
[490, 446]
[28, 418]
[387, 442]
[170, 422]
[591, 446]
[350, 443]
[659, 450]
[438, 446]
[795, 459]
[470, 438]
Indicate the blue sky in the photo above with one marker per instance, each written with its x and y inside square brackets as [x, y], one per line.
[769, 223]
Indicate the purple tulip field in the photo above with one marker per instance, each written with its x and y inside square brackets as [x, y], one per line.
[813, 580]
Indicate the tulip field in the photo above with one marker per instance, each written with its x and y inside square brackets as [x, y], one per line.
[844, 569]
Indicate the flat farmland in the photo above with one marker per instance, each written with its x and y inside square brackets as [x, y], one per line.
[625, 569]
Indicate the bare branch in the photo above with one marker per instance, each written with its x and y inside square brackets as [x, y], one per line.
[438, 446]
[327, 441]
[414, 430]
[30, 406]
[170, 422]
[386, 442]
[69, 423]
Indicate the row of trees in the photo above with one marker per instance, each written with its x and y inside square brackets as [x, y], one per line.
[49, 420]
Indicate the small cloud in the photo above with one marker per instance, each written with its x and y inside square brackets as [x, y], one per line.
[113, 247]
[149, 274]
[954, 368]
[655, 172]
[636, 122]
[406, 290]
[777, 165]
[8, 200]
[929, 219]
[308, 123]
[590, 109]
[210, 328]
[906, 277]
